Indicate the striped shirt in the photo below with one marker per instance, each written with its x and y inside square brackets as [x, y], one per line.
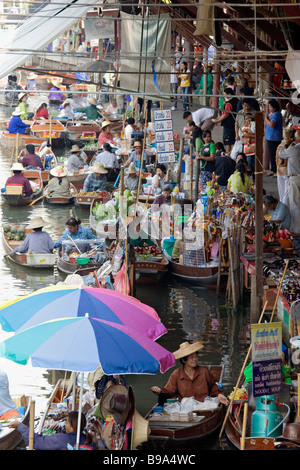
[92, 183]
[237, 185]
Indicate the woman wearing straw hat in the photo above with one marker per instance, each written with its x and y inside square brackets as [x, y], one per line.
[32, 83]
[136, 156]
[190, 380]
[55, 95]
[16, 125]
[105, 134]
[59, 185]
[131, 179]
[74, 161]
[36, 241]
[91, 111]
[22, 97]
[97, 179]
[19, 179]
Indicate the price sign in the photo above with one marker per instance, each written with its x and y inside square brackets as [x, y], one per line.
[163, 126]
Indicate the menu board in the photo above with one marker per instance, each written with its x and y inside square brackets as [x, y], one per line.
[164, 137]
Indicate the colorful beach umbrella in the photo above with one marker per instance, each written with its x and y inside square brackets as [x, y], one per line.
[82, 343]
[75, 301]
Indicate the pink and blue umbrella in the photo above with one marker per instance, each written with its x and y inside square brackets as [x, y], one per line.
[72, 301]
[82, 343]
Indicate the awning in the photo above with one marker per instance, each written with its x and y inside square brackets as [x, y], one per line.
[38, 31]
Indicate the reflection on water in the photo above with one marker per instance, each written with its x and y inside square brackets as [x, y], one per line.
[189, 312]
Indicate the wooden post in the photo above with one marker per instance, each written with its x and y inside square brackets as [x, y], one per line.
[298, 399]
[257, 292]
[244, 426]
[180, 163]
[191, 172]
[17, 147]
[31, 426]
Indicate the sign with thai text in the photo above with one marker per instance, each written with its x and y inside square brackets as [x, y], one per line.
[164, 137]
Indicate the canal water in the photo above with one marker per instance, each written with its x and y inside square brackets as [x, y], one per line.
[188, 311]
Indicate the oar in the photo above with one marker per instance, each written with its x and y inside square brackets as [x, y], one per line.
[74, 243]
[39, 198]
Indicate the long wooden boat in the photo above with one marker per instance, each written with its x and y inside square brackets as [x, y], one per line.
[60, 200]
[166, 434]
[82, 131]
[84, 199]
[45, 174]
[70, 261]
[151, 269]
[10, 438]
[30, 260]
[53, 129]
[13, 194]
[13, 141]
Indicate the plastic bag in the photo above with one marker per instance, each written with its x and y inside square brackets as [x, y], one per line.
[121, 283]
[237, 148]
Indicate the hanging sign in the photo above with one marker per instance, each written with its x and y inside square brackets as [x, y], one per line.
[164, 137]
[266, 358]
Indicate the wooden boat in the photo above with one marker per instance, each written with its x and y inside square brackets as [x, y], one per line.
[84, 199]
[150, 270]
[68, 262]
[13, 194]
[44, 173]
[60, 200]
[53, 129]
[167, 435]
[13, 141]
[30, 260]
[11, 438]
[82, 131]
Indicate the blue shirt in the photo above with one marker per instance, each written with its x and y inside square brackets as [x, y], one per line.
[275, 133]
[281, 213]
[36, 242]
[91, 183]
[84, 233]
[17, 126]
[6, 402]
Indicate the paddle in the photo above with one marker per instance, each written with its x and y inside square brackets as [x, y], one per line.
[39, 198]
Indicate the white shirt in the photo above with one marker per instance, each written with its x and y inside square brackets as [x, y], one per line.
[108, 159]
[173, 76]
[201, 115]
[292, 154]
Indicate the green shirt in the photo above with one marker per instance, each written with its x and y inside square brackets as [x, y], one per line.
[22, 107]
[92, 112]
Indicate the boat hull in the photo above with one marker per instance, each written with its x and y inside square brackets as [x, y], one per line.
[16, 200]
[70, 268]
[11, 438]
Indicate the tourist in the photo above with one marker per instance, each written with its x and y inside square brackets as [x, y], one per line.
[91, 111]
[75, 162]
[36, 241]
[184, 77]
[25, 116]
[97, 179]
[76, 231]
[174, 83]
[137, 155]
[203, 100]
[227, 119]
[131, 179]
[197, 73]
[31, 159]
[292, 154]
[248, 136]
[224, 166]
[190, 380]
[59, 185]
[105, 135]
[8, 408]
[247, 92]
[60, 440]
[19, 179]
[282, 170]
[195, 132]
[273, 132]
[240, 118]
[203, 118]
[42, 112]
[280, 213]
[55, 95]
[16, 125]
[207, 156]
[161, 177]
[239, 181]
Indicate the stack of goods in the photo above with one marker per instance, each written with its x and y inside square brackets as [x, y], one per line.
[14, 232]
[148, 253]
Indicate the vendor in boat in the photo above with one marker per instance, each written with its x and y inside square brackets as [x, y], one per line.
[42, 112]
[32, 84]
[36, 241]
[31, 159]
[131, 179]
[112, 108]
[106, 135]
[190, 380]
[161, 177]
[19, 179]
[8, 408]
[75, 162]
[97, 179]
[92, 112]
[59, 185]
[136, 156]
[66, 110]
[129, 128]
[60, 440]
[55, 92]
[109, 160]
[25, 116]
[76, 231]
[16, 125]
[279, 211]
[165, 196]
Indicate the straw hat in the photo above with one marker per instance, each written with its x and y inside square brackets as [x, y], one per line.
[75, 148]
[92, 101]
[185, 349]
[131, 170]
[58, 171]
[32, 76]
[137, 144]
[99, 168]
[21, 95]
[56, 83]
[117, 400]
[140, 430]
[105, 124]
[17, 112]
[17, 167]
[37, 222]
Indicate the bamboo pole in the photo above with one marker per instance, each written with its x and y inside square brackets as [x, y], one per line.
[50, 132]
[191, 172]
[279, 290]
[242, 440]
[142, 156]
[31, 426]
[180, 163]
[17, 147]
